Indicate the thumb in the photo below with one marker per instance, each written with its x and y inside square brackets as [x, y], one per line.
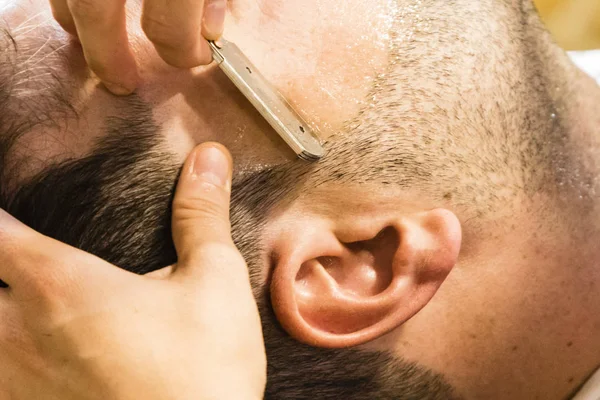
[162, 273]
[201, 204]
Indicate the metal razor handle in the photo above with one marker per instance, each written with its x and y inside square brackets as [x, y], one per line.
[269, 103]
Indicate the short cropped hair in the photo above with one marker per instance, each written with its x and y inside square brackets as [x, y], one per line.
[115, 201]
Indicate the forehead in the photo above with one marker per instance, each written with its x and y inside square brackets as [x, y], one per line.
[322, 58]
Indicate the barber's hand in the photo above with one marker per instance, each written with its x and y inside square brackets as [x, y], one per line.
[177, 28]
[77, 328]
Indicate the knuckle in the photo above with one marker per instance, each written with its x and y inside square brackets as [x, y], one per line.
[87, 10]
[198, 208]
[64, 20]
[219, 256]
[160, 31]
[165, 33]
[46, 281]
[10, 245]
[19, 250]
[99, 66]
[46, 278]
[50, 283]
[221, 253]
[9, 228]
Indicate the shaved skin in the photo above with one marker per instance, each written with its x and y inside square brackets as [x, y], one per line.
[464, 106]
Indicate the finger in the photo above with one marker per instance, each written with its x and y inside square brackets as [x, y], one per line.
[31, 262]
[12, 330]
[9, 318]
[201, 204]
[102, 30]
[62, 15]
[161, 273]
[175, 27]
[4, 298]
[17, 242]
[214, 19]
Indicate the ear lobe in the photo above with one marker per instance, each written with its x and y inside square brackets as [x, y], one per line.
[328, 293]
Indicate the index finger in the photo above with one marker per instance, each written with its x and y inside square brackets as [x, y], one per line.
[29, 261]
[102, 31]
[175, 29]
[15, 240]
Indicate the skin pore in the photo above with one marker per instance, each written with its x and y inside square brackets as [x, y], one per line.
[493, 122]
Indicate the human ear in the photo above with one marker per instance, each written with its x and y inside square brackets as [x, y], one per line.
[339, 283]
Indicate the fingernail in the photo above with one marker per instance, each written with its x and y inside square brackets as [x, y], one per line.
[118, 89]
[214, 18]
[211, 164]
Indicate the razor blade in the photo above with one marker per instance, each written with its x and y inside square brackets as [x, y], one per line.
[268, 102]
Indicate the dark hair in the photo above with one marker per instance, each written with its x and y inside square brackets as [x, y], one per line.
[115, 201]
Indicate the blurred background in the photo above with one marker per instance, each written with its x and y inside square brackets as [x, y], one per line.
[574, 23]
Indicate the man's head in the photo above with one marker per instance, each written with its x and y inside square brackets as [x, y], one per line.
[444, 123]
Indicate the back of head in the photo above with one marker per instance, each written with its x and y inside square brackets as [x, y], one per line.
[467, 128]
